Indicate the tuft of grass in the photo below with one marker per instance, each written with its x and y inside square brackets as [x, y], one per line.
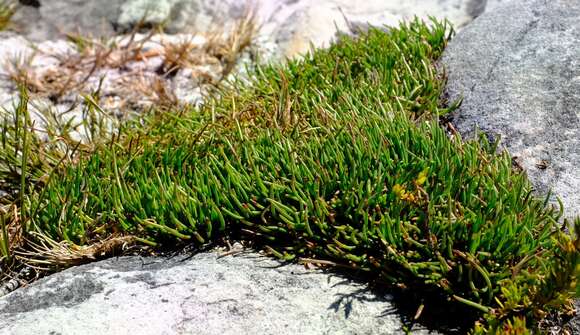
[337, 158]
[229, 47]
[224, 47]
[5, 249]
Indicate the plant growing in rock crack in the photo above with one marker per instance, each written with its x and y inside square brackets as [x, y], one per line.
[338, 158]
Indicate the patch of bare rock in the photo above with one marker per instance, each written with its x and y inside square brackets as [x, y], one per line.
[519, 76]
[204, 294]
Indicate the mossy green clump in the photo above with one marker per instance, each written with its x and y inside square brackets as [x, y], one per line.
[338, 157]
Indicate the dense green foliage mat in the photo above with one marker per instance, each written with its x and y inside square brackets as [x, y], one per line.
[340, 157]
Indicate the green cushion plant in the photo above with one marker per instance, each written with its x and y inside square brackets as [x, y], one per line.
[341, 157]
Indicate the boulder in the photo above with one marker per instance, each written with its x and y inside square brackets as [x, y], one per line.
[51, 19]
[12, 49]
[202, 294]
[518, 69]
[154, 12]
[179, 16]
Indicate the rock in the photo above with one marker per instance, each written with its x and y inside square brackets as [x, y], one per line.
[152, 12]
[492, 4]
[575, 324]
[54, 18]
[12, 47]
[182, 16]
[204, 294]
[316, 25]
[520, 79]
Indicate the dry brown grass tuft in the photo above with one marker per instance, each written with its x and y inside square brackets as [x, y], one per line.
[155, 90]
[222, 47]
[228, 47]
[180, 55]
[48, 255]
[35, 259]
[11, 234]
[74, 70]
[11, 239]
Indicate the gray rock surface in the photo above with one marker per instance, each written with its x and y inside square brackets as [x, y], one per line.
[180, 16]
[53, 18]
[520, 79]
[492, 4]
[245, 294]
